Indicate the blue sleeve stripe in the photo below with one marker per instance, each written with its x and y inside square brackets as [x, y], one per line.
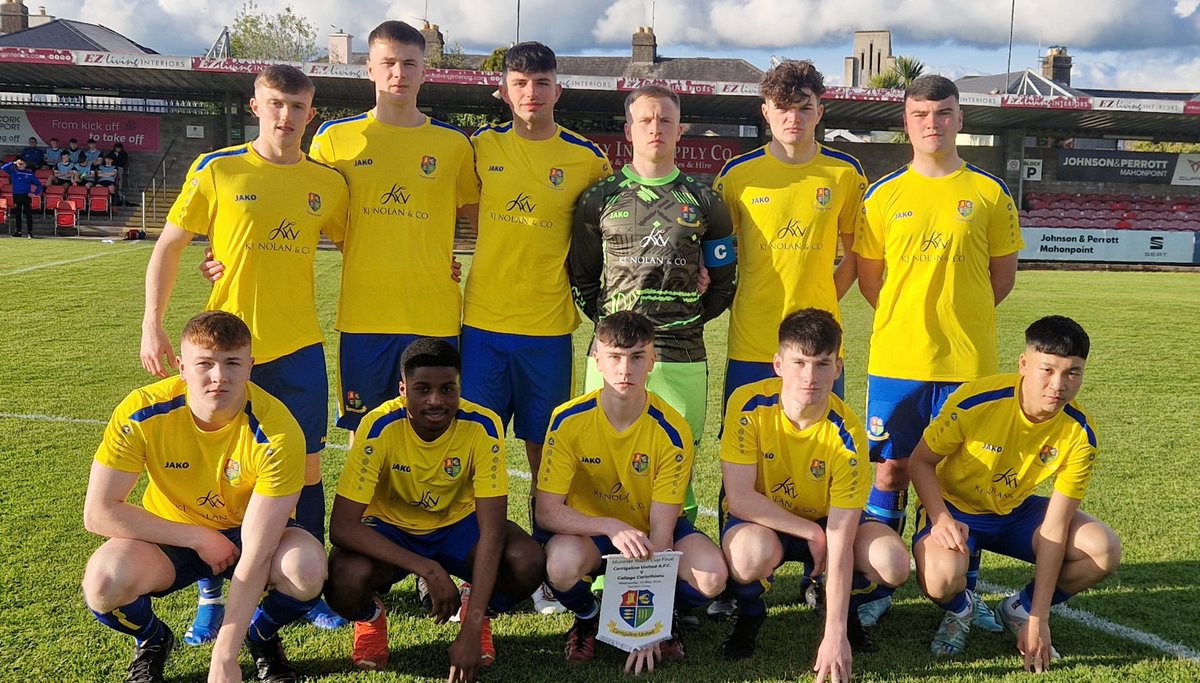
[217, 155]
[447, 126]
[329, 124]
[748, 156]
[379, 425]
[567, 137]
[986, 397]
[489, 425]
[719, 252]
[672, 433]
[842, 156]
[259, 435]
[159, 408]
[842, 431]
[980, 171]
[760, 401]
[573, 410]
[879, 183]
[1077, 415]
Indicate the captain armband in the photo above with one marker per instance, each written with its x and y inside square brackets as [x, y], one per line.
[719, 252]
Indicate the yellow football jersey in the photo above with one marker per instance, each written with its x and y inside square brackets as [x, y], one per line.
[518, 279]
[804, 471]
[936, 318]
[406, 185]
[996, 457]
[787, 218]
[198, 477]
[606, 473]
[263, 221]
[421, 486]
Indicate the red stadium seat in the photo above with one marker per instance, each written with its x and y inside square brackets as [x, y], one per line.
[66, 215]
[4, 210]
[99, 201]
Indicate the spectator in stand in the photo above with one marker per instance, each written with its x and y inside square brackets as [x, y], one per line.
[92, 153]
[53, 154]
[24, 184]
[33, 155]
[107, 175]
[119, 156]
[84, 170]
[73, 150]
[64, 170]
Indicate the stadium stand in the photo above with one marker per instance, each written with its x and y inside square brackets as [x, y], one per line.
[1111, 211]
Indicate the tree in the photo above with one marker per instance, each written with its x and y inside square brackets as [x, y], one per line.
[286, 36]
[494, 61]
[1167, 147]
[906, 70]
[454, 58]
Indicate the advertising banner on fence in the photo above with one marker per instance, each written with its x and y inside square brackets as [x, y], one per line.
[1102, 166]
[137, 133]
[639, 599]
[1126, 246]
[703, 156]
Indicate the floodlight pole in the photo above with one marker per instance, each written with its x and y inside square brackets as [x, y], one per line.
[1012, 16]
[518, 22]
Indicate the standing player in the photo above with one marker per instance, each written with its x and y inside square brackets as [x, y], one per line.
[946, 233]
[640, 241]
[626, 442]
[516, 336]
[976, 469]
[795, 476]
[424, 491]
[409, 175]
[225, 461]
[263, 206]
[791, 201]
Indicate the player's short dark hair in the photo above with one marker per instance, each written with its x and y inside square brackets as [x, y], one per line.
[625, 330]
[652, 90]
[1058, 335]
[73, 140]
[393, 31]
[217, 330]
[530, 57]
[784, 83]
[931, 88]
[284, 78]
[811, 330]
[430, 352]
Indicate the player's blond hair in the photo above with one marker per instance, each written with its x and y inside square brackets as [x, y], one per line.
[652, 91]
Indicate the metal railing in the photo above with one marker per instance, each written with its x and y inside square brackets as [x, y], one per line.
[158, 182]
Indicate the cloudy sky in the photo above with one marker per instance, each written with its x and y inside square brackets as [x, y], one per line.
[1129, 44]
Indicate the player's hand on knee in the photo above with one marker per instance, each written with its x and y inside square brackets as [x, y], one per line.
[642, 660]
[210, 267]
[632, 543]
[818, 548]
[442, 593]
[834, 660]
[156, 345]
[218, 552]
[466, 654]
[455, 269]
[1033, 642]
[950, 534]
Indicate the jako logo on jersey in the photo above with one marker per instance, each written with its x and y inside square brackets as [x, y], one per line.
[245, 198]
[287, 230]
[966, 207]
[935, 241]
[824, 196]
[521, 203]
[496, 168]
[363, 162]
[314, 201]
[556, 176]
[761, 200]
[172, 465]
[640, 463]
[688, 215]
[993, 448]
[657, 237]
[401, 468]
[902, 214]
[395, 195]
[590, 461]
[428, 164]
[452, 467]
[816, 468]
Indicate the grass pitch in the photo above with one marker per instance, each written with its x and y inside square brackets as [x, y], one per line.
[71, 319]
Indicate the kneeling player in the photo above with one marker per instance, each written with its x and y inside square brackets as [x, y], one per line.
[975, 471]
[226, 464]
[424, 491]
[616, 466]
[796, 476]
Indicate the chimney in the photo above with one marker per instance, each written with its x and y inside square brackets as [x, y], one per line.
[14, 16]
[40, 18]
[1056, 65]
[435, 43]
[340, 47]
[645, 46]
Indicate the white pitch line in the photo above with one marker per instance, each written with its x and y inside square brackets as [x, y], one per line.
[63, 263]
[52, 418]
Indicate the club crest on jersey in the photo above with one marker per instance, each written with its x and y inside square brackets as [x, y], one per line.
[875, 430]
[452, 467]
[556, 176]
[314, 201]
[688, 216]
[966, 207]
[816, 468]
[640, 463]
[233, 469]
[354, 402]
[824, 196]
[1047, 454]
[428, 164]
[637, 606]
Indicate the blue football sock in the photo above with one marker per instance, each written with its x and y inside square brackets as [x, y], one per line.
[136, 619]
[688, 597]
[210, 589]
[1026, 597]
[888, 507]
[577, 598]
[310, 510]
[750, 595]
[973, 569]
[274, 612]
[863, 590]
[959, 605]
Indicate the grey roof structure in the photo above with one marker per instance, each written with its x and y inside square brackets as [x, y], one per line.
[65, 34]
[666, 68]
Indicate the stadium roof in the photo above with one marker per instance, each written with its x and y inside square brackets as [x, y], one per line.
[73, 35]
[668, 68]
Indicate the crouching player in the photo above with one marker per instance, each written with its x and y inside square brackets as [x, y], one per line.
[796, 475]
[613, 477]
[424, 491]
[226, 464]
[975, 471]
